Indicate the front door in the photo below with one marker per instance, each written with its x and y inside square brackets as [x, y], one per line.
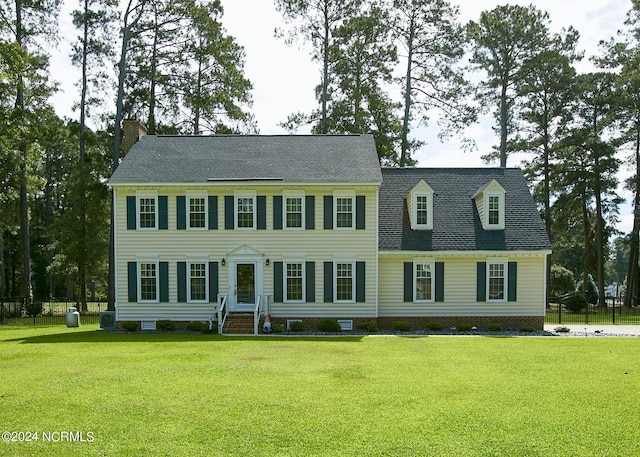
[245, 284]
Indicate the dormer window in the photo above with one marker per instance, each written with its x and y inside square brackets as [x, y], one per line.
[420, 206]
[490, 203]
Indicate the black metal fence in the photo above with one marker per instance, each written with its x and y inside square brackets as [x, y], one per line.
[614, 312]
[34, 312]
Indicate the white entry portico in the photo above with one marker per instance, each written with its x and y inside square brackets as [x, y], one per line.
[246, 280]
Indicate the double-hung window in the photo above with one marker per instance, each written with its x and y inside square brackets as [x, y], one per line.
[197, 282]
[197, 212]
[494, 210]
[423, 275]
[245, 210]
[293, 210]
[294, 286]
[344, 282]
[148, 286]
[147, 211]
[422, 209]
[344, 210]
[496, 281]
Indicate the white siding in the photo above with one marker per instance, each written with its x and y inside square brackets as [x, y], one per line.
[460, 288]
[317, 245]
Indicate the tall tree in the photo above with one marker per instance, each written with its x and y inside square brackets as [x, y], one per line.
[429, 33]
[362, 62]
[90, 52]
[503, 41]
[22, 24]
[545, 92]
[315, 21]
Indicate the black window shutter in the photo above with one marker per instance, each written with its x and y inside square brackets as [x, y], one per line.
[213, 281]
[310, 281]
[132, 280]
[277, 282]
[481, 282]
[439, 281]
[164, 282]
[360, 282]
[309, 212]
[182, 282]
[262, 212]
[360, 212]
[408, 281]
[277, 212]
[163, 212]
[228, 212]
[212, 201]
[181, 212]
[513, 281]
[131, 212]
[328, 282]
[328, 212]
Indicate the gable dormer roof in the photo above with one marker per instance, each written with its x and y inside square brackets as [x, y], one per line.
[456, 223]
[490, 204]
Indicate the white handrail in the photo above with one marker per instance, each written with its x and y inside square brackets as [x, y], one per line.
[222, 312]
[256, 315]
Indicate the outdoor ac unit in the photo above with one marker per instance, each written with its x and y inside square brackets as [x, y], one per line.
[108, 320]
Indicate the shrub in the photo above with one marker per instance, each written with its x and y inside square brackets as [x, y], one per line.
[494, 327]
[401, 326]
[434, 326]
[130, 326]
[464, 327]
[277, 327]
[591, 292]
[574, 302]
[197, 326]
[329, 325]
[297, 326]
[527, 329]
[562, 329]
[370, 326]
[33, 309]
[165, 326]
[561, 281]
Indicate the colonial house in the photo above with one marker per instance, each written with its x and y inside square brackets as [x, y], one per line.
[231, 227]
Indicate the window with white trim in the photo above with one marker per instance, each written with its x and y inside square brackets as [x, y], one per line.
[245, 211]
[344, 282]
[147, 212]
[197, 212]
[496, 281]
[294, 282]
[422, 210]
[423, 281]
[493, 210]
[148, 285]
[344, 210]
[197, 282]
[293, 212]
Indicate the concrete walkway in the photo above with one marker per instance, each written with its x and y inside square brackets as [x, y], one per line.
[597, 329]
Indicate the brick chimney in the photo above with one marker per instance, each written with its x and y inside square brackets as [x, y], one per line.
[133, 130]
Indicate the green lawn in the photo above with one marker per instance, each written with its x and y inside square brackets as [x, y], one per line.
[189, 395]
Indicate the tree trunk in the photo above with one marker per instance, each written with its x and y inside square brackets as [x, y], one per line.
[407, 98]
[631, 293]
[325, 70]
[504, 112]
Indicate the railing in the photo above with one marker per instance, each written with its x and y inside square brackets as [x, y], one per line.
[223, 311]
[612, 313]
[51, 312]
[256, 314]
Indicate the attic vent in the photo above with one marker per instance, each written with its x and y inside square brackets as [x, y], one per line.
[148, 325]
[242, 179]
[346, 325]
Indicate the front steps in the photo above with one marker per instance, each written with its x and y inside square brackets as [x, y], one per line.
[238, 324]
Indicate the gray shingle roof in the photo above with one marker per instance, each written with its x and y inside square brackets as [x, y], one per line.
[456, 225]
[289, 158]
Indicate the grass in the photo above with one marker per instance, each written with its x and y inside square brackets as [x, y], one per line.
[190, 394]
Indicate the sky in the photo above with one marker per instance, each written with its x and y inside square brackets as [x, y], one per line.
[284, 76]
